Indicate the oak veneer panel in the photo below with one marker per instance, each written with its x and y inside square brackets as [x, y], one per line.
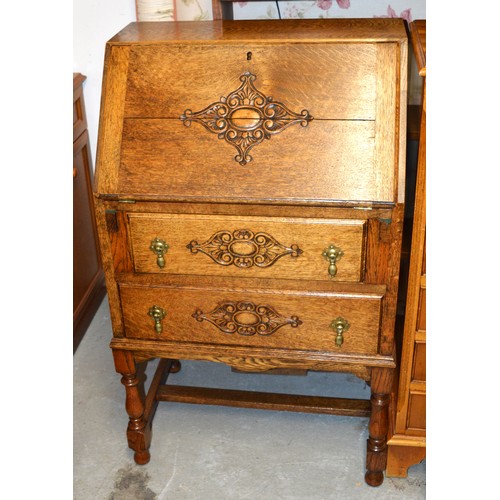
[312, 236]
[421, 314]
[417, 412]
[419, 362]
[287, 73]
[315, 312]
[386, 154]
[111, 118]
[281, 167]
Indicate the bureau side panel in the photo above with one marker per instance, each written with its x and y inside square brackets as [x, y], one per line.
[114, 87]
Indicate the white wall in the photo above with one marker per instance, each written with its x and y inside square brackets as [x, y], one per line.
[94, 23]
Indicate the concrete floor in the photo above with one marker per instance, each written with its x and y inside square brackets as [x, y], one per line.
[218, 453]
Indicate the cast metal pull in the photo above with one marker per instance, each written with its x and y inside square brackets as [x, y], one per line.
[157, 313]
[339, 325]
[159, 247]
[332, 254]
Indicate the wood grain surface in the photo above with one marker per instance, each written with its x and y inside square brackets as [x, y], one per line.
[323, 161]
[315, 312]
[312, 237]
[331, 81]
[284, 30]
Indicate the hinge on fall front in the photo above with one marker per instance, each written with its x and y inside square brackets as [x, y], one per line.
[126, 200]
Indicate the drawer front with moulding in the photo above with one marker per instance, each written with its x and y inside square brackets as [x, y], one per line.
[312, 320]
[260, 247]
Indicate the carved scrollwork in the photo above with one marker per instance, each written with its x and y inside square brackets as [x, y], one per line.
[246, 318]
[246, 117]
[244, 248]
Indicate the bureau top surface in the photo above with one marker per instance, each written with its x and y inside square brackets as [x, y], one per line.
[293, 30]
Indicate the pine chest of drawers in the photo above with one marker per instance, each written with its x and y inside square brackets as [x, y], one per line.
[249, 198]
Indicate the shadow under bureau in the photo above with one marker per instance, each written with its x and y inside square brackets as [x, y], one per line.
[249, 198]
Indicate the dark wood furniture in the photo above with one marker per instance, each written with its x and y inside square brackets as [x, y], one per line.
[88, 276]
[407, 444]
[250, 200]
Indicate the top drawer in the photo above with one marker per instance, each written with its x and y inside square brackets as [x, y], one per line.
[257, 247]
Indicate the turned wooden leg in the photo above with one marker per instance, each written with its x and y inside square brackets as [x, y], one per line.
[376, 451]
[138, 430]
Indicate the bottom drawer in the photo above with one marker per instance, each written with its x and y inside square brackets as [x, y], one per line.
[280, 317]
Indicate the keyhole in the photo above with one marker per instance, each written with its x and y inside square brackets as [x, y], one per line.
[249, 56]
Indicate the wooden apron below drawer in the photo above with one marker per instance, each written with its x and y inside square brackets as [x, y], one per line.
[257, 247]
[272, 318]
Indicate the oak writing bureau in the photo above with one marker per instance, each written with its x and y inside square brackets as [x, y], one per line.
[249, 198]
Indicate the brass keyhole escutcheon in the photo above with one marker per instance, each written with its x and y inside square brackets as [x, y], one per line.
[158, 314]
[332, 254]
[340, 326]
[159, 247]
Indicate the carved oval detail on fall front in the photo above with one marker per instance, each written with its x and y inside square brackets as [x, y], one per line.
[245, 118]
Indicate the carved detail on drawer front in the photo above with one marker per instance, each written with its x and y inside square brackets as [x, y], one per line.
[244, 248]
[246, 318]
[246, 117]
[205, 310]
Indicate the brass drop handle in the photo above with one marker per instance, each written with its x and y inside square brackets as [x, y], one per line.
[157, 313]
[159, 247]
[340, 326]
[332, 254]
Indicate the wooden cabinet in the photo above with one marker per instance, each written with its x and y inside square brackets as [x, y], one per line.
[408, 425]
[88, 277]
[250, 200]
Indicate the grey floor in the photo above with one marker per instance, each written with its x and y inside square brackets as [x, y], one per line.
[206, 452]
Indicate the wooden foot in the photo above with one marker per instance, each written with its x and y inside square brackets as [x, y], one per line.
[142, 457]
[138, 430]
[374, 478]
